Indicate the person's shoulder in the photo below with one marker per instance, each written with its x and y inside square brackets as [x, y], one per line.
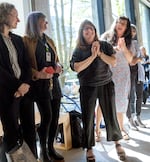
[77, 49]
[104, 43]
[105, 35]
[134, 44]
[17, 39]
[49, 39]
[106, 47]
[29, 40]
[134, 41]
[15, 36]
[25, 38]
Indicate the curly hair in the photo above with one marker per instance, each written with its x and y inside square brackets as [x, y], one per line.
[111, 35]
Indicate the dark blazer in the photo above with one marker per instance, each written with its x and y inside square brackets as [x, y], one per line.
[8, 82]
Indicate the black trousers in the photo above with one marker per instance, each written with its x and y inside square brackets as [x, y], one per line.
[2, 152]
[139, 97]
[9, 114]
[54, 122]
[106, 96]
[27, 119]
[134, 80]
[49, 110]
[136, 99]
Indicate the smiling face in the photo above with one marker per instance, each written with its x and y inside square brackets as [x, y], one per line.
[88, 33]
[121, 26]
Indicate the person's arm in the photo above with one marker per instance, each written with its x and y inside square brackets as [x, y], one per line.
[7, 80]
[110, 60]
[135, 60]
[58, 68]
[107, 53]
[137, 56]
[79, 66]
[127, 53]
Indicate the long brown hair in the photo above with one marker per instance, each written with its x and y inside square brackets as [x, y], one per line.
[32, 25]
[81, 43]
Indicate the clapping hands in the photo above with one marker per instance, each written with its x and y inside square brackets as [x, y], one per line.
[95, 49]
[121, 43]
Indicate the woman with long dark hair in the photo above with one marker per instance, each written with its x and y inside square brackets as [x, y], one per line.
[120, 37]
[91, 60]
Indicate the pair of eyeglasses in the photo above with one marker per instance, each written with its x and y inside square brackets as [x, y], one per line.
[87, 28]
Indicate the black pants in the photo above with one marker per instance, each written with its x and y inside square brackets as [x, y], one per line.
[49, 110]
[137, 99]
[106, 96]
[54, 122]
[27, 119]
[9, 114]
[2, 153]
[147, 75]
[134, 80]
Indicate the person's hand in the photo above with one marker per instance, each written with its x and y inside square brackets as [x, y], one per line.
[58, 68]
[121, 43]
[43, 74]
[17, 94]
[116, 48]
[95, 48]
[50, 70]
[22, 90]
[135, 60]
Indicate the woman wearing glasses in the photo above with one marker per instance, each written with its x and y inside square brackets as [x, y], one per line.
[91, 59]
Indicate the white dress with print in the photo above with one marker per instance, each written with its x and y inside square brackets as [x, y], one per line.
[121, 78]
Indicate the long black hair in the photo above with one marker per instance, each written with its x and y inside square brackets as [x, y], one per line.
[111, 35]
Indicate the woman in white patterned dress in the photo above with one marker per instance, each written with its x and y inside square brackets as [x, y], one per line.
[120, 37]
